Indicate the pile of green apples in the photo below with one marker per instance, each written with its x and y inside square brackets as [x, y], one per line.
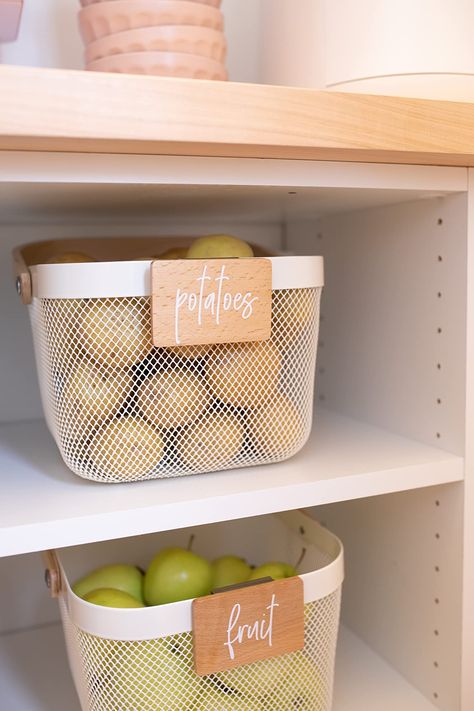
[174, 574]
[157, 675]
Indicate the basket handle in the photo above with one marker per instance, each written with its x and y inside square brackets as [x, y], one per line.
[52, 573]
[23, 277]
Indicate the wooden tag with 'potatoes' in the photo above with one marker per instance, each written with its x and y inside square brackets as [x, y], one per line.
[201, 301]
[247, 624]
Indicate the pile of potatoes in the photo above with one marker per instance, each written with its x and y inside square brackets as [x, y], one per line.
[129, 407]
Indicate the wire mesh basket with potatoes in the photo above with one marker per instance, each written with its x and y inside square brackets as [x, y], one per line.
[143, 659]
[121, 409]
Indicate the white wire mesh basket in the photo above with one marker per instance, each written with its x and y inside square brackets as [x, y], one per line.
[121, 410]
[142, 659]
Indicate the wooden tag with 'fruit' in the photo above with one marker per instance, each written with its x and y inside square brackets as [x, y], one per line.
[201, 301]
[248, 624]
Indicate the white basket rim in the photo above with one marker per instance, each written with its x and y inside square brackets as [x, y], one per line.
[140, 624]
[132, 278]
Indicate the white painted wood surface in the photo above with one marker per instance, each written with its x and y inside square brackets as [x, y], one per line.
[402, 591]
[44, 505]
[392, 338]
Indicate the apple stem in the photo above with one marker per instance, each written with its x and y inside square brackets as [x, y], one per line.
[300, 559]
[191, 541]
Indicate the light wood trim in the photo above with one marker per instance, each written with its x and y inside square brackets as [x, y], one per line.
[53, 577]
[64, 110]
[22, 276]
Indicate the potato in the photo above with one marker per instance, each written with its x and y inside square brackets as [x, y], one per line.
[211, 442]
[245, 374]
[173, 398]
[91, 397]
[276, 428]
[115, 332]
[126, 448]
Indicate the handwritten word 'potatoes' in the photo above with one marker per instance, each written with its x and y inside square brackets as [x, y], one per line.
[212, 299]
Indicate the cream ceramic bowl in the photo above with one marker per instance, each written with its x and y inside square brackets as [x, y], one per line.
[169, 38]
[165, 64]
[106, 18]
[214, 3]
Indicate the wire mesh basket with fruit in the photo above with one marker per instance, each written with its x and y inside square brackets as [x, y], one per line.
[142, 657]
[121, 409]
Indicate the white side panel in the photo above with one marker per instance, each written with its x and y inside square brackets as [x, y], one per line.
[402, 592]
[392, 339]
[468, 591]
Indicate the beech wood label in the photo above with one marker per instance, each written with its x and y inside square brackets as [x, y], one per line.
[247, 624]
[199, 301]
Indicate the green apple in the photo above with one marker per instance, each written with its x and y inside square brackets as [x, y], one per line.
[109, 597]
[127, 578]
[220, 700]
[218, 246]
[152, 676]
[303, 685]
[261, 678]
[274, 570]
[229, 570]
[176, 574]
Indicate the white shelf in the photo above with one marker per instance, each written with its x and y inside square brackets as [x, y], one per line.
[44, 505]
[34, 676]
[365, 682]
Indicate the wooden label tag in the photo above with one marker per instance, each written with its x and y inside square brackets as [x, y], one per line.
[200, 301]
[247, 624]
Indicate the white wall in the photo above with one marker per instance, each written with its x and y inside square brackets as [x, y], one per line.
[49, 37]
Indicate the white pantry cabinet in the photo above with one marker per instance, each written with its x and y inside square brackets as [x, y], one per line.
[389, 466]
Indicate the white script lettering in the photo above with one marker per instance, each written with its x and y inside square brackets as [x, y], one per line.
[255, 631]
[211, 301]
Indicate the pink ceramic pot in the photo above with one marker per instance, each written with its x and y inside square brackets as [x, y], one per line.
[106, 18]
[169, 38]
[165, 64]
[85, 3]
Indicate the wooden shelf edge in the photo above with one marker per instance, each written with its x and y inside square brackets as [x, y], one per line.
[78, 111]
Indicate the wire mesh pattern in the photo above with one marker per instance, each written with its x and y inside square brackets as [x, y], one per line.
[122, 410]
[157, 674]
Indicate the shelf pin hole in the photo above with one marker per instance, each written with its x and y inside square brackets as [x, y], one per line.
[438, 435]
[436, 600]
[436, 568]
[439, 295]
[440, 258]
[438, 400]
[440, 220]
[436, 633]
[435, 664]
